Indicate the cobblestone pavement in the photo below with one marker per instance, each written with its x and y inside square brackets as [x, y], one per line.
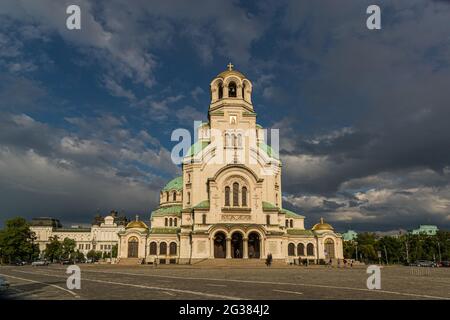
[190, 282]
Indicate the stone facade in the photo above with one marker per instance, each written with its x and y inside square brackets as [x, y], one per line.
[228, 202]
[101, 236]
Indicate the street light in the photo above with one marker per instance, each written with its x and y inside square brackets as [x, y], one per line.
[439, 249]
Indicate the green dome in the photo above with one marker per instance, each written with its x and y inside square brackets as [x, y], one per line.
[174, 184]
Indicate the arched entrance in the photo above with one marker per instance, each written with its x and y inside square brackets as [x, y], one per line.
[254, 245]
[133, 247]
[236, 245]
[329, 248]
[220, 245]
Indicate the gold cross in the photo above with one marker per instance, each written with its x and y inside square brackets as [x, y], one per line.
[230, 66]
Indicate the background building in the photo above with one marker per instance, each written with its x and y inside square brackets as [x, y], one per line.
[430, 230]
[101, 236]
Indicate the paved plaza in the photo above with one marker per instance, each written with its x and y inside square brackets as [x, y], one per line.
[194, 282]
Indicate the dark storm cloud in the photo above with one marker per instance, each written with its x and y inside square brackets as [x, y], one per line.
[363, 114]
[389, 89]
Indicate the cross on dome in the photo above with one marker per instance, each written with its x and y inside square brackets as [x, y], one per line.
[230, 66]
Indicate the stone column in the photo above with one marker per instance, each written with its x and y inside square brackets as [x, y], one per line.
[228, 249]
[245, 248]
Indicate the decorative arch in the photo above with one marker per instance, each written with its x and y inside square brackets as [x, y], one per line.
[310, 249]
[220, 244]
[133, 247]
[237, 166]
[301, 249]
[173, 249]
[330, 248]
[232, 89]
[163, 248]
[216, 88]
[247, 88]
[153, 248]
[291, 249]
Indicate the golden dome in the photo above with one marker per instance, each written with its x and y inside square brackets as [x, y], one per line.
[322, 226]
[230, 72]
[136, 224]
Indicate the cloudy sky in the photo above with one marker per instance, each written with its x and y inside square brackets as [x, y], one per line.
[86, 116]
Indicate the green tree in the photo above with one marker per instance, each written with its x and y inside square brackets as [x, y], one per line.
[17, 241]
[98, 255]
[390, 246]
[91, 255]
[68, 248]
[54, 249]
[114, 250]
[78, 256]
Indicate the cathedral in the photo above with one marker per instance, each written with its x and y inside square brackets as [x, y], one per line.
[228, 202]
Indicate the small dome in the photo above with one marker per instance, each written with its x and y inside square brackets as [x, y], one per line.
[174, 184]
[322, 226]
[136, 224]
[227, 73]
[230, 72]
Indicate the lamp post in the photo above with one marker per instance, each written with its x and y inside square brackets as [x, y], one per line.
[356, 246]
[439, 250]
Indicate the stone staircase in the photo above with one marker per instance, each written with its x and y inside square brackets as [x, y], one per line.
[130, 261]
[238, 263]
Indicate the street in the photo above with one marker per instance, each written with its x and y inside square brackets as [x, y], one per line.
[187, 282]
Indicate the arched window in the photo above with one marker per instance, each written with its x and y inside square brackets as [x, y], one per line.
[153, 247]
[310, 249]
[287, 223]
[243, 91]
[227, 196]
[329, 248]
[166, 222]
[173, 249]
[163, 248]
[276, 199]
[167, 196]
[175, 222]
[227, 139]
[170, 222]
[235, 140]
[204, 219]
[220, 91]
[268, 219]
[235, 194]
[301, 249]
[291, 249]
[291, 223]
[244, 196]
[188, 198]
[232, 89]
[239, 140]
[174, 196]
[189, 178]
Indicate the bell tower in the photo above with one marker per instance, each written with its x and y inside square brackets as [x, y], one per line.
[231, 87]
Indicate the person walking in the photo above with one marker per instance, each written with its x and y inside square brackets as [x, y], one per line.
[269, 260]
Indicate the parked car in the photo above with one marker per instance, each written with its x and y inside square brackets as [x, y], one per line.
[4, 284]
[445, 264]
[66, 262]
[39, 263]
[425, 263]
[20, 263]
